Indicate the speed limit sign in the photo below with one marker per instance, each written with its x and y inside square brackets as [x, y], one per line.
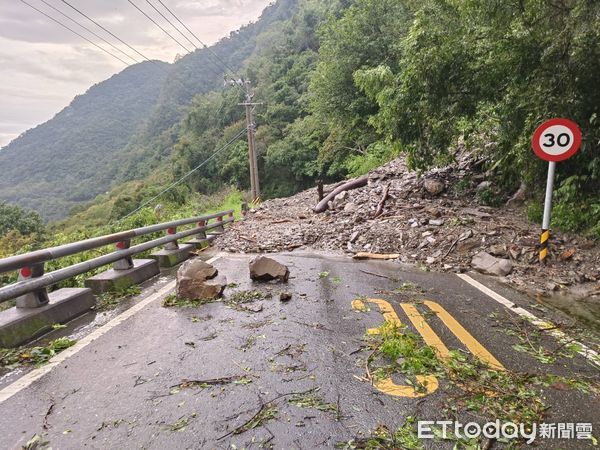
[556, 140]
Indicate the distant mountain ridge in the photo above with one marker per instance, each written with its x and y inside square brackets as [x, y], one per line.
[120, 128]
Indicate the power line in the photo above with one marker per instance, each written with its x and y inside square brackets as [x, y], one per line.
[171, 23]
[109, 32]
[199, 40]
[75, 32]
[219, 62]
[179, 31]
[88, 30]
[186, 176]
[158, 25]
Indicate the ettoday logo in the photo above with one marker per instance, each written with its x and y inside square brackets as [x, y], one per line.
[503, 430]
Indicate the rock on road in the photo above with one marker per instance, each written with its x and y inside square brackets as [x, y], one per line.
[271, 373]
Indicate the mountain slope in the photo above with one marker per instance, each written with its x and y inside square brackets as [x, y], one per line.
[119, 129]
[69, 159]
[196, 73]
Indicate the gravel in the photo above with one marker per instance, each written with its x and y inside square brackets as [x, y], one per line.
[437, 229]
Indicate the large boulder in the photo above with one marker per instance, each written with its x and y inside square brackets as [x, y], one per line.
[434, 187]
[197, 279]
[486, 263]
[266, 269]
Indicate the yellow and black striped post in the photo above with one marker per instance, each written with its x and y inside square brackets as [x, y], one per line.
[547, 213]
[544, 245]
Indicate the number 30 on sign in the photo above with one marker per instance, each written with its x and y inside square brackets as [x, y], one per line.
[556, 140]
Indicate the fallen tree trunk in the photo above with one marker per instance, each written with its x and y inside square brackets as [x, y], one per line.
[384, 256]
[352, 184]
[381, 203]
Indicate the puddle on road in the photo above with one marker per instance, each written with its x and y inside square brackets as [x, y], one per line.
[585, 309]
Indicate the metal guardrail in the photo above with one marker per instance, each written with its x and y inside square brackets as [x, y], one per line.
[32, 278]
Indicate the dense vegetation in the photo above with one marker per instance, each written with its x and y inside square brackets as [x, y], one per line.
[72, 158]
[349, 84]
[126, 125]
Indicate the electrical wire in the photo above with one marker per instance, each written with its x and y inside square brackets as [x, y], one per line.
[108, 31]
[75, 32]
[200, 40]
[172, 24]
[159, 26]
[88, 30]
[219, 61]
[187, 175]
[179, 31]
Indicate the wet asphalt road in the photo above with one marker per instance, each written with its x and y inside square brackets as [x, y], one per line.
[121, 391]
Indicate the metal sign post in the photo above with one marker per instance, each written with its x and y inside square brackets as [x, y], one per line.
[547, 212]
[553, 141]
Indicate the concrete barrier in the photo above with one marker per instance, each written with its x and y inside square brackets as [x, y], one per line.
[119, 280]
[170, 258]
[20, 325]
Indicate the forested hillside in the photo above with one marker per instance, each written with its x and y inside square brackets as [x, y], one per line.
[347, 85]
[125, 125]
[72, 158]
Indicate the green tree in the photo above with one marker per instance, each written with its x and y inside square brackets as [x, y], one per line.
[14, 218]
[490, 72]
[365, 36]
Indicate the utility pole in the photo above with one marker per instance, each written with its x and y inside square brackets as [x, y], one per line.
[251, 127]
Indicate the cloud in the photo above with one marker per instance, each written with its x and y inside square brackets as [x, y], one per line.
[44, 65]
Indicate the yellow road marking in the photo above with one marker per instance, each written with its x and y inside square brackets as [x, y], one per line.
[429, 382]
[359, 305]
[389, 314]
[464, 336]
[425, 330]
[387, 386]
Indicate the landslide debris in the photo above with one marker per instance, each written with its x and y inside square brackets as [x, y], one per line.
[435, 221]
[197, 279]
[263, 268]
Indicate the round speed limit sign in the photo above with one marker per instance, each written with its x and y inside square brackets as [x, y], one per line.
[556, 140]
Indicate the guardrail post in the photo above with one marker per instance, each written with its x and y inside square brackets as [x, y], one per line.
[220, 227]
[201, 234]
[173, 245]
[125, 263]
[33, 299]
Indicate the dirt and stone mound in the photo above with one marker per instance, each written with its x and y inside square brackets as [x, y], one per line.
[435, 221]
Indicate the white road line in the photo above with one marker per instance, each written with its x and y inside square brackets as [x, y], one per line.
[26, 380]
[591, 355]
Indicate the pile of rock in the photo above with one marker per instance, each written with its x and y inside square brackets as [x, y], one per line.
[432, 220]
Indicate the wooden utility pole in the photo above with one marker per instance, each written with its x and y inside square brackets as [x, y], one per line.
[252, 157]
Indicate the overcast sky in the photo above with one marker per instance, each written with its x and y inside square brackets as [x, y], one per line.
[43, 66]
